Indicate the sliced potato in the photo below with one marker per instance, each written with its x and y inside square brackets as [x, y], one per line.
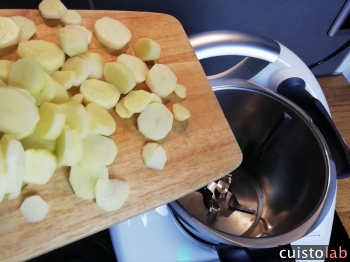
[26, 133]
[100, 92]
[83, 180]
[50, 56]
[39, 166]
[161, 80]
[147, 49]
[72, 41]
[155, 98]
[17, 113]
[112, 33]
[69, 147]
[52, 9]
[98, 151]
[136, 65]
[77, 98]
[117, 74]
[61, 95]
[84, 30]
[155, 121]
[34, 209]
[48, 92]
[51, 123]
[111, 194]
[96, 63]
[26, 26]
[154, 156]
[35, 142]
[5, 68]
[76, 117]
[80, 67]
[181, 113]
[180, 91]
[10, 32]
[71, 17]
[121, 110]
[137, 100]
[101, 121]
[64, 78]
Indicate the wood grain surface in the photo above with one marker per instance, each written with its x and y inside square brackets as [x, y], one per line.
[337, 92]
[199, 151]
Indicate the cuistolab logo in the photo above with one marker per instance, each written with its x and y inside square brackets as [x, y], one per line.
[312, 252]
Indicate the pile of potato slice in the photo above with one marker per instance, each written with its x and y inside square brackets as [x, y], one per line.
[44, 127]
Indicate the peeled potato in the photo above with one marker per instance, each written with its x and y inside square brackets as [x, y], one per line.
[99, 92]
[61, 95]
[24, 92]
[28, 74]
[64, 78]
[161, 80]
[69, 147]
[34, 209]
[73, 41]
[137, 100]
[111, 194]
[39, 166]
[101, 121]
[52, 9]
[112, 33]
[117, 74]
[83, 180]
[181, 113]
[35, 142]
[180, 91]
[122, 111]
[10, 32]
[83, 29]
[52, 120]
[26, 26]
[76, 117]
[155, 98]
[48, 92]
[77, 98]
[96, 64]
[17, 113]
[71, 17]
[154, 156]
[98, 151]
[50, 56]
[147, 49]
[155, 121]
[80, 68]
[137, 66]
[26, 133]
[5, 68]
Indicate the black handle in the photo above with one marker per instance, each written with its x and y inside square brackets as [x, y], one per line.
[294, 89]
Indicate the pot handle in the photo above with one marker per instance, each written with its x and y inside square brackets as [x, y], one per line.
[294, 89]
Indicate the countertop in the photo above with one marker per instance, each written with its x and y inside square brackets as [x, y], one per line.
[337, 92]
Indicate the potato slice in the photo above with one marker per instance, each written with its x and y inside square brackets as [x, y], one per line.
[77, 98]
[84, 30]
[69, 147]
[101, 121]
[147, 49]
[155, 121]
[48, 92]
[26, 26]
[71, 17]
[96, 64]
[76, 117]
[112, 33]
[161, 80]
[34, 209]
[50, 56]
[80, 68]
[181, 113]
[35, 142]
[51, 123]
[72, 41]
[28, 74]
[136, 65]
[61, 95]
[121, 110]
[111, 194]
[98, 151]
[137, 100]
[117, 74]
[17, 113]
[180, 91]
[52, 9]
[26, 133]
[154, 156]
[64, 78]
[10, 32]
[100, 92]
[155, 98]
[83, 180]
[5, 68]
[39, 166]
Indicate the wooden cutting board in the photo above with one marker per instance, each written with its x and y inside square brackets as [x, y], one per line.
[199, 151]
